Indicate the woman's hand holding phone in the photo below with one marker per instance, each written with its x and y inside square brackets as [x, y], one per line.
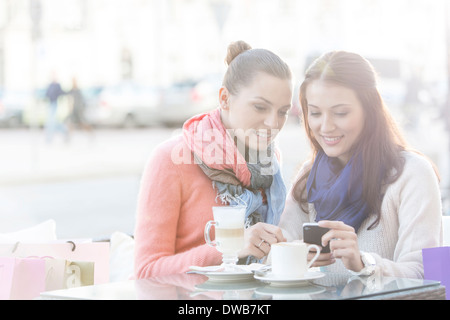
[312, 234]
[343, 243]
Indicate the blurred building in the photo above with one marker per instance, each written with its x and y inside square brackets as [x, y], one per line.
[105, 41]
[161, 41]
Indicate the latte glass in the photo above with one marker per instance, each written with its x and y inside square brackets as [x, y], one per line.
[229, 225]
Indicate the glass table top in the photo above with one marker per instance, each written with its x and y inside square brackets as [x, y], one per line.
[199, 287]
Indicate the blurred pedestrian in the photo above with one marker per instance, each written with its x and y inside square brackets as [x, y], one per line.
[77, 117]
[53, 123]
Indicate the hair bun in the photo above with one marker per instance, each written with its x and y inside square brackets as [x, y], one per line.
[235, 49]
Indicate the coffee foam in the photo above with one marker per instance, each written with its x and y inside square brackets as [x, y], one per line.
[229, 217]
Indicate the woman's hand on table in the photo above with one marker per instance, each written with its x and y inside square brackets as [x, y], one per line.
[259, 238]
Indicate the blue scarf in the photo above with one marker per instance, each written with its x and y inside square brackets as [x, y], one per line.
[257, 209]
[260, 211]
[336, 192]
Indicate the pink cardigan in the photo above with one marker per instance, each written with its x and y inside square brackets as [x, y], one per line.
[174, 204]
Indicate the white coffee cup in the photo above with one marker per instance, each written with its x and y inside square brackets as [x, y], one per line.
[290, 259]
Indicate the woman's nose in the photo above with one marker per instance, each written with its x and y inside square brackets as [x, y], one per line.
[327, 124]
[272, 120]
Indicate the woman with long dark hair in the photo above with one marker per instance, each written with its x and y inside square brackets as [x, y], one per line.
[380, 200]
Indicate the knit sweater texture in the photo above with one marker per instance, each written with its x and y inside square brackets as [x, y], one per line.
[174, 204]
[411, 219]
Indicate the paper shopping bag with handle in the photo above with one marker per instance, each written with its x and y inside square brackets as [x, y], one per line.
[436, 266]
[78, 274]
[94, 252]
[64, 274]
[21, 278]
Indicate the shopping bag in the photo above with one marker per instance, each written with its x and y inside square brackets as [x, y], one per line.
[55, 270]
[78, 274]
[94, 252]
[436, 266]
[64, 274]
[21, 278]
[7, 265]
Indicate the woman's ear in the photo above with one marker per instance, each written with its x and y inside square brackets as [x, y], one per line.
[224, 95]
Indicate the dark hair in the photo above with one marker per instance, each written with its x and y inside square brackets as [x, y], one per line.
[244, 63]
[380, 142]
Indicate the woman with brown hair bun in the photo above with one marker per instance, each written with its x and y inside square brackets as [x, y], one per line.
[223, 157]
[380, 200]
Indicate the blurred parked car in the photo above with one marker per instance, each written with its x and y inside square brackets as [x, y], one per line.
[127, 105]
[92, 98]
[184, 99]
[12, 105]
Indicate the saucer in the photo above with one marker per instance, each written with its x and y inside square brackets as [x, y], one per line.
[279, 281]
[217, 273]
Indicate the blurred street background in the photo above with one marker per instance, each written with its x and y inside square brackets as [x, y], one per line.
[142, 67]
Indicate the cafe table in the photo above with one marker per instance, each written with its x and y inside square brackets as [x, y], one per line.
[189, 286]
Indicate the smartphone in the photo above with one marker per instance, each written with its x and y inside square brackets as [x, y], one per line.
[312, 233]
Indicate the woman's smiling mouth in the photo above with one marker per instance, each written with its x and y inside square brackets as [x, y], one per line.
[331, 140]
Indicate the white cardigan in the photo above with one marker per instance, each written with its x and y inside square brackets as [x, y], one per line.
[411, 219]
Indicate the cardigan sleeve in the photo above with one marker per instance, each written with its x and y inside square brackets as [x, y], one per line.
[158, 213]
[415, 197]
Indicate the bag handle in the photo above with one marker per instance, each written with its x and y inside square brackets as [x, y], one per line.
[73, 244]
[16, 245]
